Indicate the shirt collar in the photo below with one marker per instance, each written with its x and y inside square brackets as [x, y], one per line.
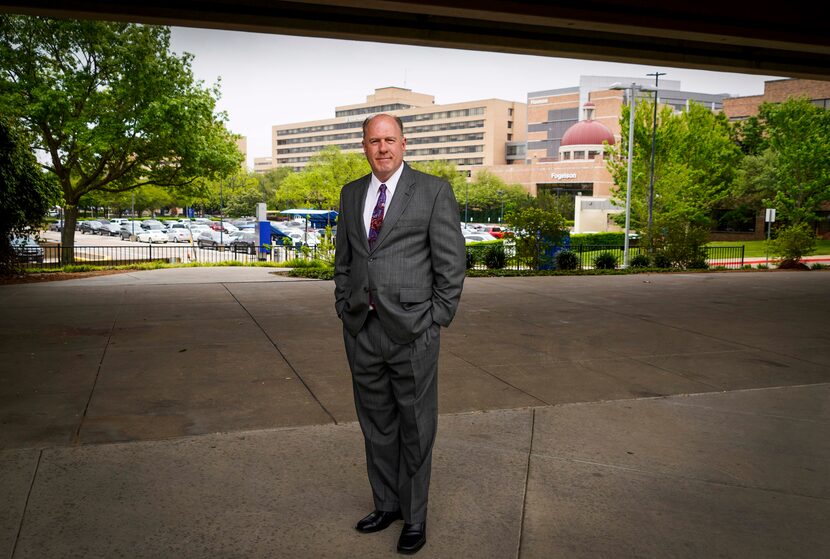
[391, 184]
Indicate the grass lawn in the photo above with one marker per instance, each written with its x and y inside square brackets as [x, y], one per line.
[755, 249]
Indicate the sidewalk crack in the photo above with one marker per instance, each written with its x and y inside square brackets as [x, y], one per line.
[284, 358]
[26, 505]
[527, 482]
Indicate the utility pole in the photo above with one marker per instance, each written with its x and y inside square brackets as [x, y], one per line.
[651, 173]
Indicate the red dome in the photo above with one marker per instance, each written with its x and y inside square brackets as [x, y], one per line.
[587, 132]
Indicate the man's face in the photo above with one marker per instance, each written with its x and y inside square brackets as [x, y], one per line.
[384, 146]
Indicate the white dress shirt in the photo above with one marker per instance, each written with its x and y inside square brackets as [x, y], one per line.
[372, 196]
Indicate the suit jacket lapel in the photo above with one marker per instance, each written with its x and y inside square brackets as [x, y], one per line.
[359, 204]
[403, 194]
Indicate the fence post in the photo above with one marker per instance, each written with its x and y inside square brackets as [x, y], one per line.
[743, 248]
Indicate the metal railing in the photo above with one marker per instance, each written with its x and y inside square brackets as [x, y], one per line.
[496, 256]
[55, 256]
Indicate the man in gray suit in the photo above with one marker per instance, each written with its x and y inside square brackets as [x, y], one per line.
[398, 273]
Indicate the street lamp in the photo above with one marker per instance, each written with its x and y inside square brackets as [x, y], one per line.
[632, 96]
[501, 195]
[466, 202]
[651, 173]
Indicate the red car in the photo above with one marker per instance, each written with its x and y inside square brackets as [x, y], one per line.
[495, 230]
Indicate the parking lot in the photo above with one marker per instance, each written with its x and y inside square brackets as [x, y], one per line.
[99, 248]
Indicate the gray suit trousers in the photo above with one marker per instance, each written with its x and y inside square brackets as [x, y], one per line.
[396, 397]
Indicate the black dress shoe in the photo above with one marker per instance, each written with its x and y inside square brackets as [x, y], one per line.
[377, 521]
[413, 537]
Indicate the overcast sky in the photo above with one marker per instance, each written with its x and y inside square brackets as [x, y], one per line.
[276, 79]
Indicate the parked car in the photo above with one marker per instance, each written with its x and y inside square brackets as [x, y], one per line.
[477, 237]
[90, 226]
[227, 225]
[495, 230]
[56, 226]
[178, 234]
[26, 249]
[111, 229]
[213, 239]
[152, 224]
[197, 228]
[300, 238]
[129, 230]
[151, 236]
[245, 241]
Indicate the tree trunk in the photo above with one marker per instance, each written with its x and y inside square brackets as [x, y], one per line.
[70, 218]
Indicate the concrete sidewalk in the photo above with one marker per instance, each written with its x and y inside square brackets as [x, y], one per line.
[208, 413]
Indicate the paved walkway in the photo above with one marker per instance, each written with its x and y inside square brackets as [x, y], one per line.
[207, 413]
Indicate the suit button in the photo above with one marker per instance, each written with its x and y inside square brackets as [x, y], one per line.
[366, 289]
[371, 260]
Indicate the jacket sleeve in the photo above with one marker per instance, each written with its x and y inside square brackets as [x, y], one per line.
[342, 260]
[448, 256]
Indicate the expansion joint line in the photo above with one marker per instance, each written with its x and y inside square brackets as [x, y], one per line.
[527, 482]
[284, 358]
[497, 377]
[76, 438]
[26, 504]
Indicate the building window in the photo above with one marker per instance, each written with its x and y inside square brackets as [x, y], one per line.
[566, 156]
[579, 155]
[509, 137]
[509, 112]
[510, 124]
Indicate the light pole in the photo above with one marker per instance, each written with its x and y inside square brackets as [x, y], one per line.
[632, 103]
[501, 215]
[466, 202]
[651, 173]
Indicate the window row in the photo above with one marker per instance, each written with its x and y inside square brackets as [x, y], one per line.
[411, 141]
[371, 110]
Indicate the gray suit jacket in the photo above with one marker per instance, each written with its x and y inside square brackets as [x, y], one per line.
[416, 268]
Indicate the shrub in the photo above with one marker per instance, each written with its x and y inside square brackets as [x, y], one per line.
[494, 257]
[605, 261]
[793, 242]
[616, 239]
[567, 260]
[763, 267]
[698, 263]
[818, 266]
[661, 260]
[640, 261]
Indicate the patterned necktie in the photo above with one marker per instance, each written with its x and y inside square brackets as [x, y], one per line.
[377, 216]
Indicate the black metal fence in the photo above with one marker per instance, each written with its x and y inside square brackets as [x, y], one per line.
[480, 257]
[55, 256]
[505, 256]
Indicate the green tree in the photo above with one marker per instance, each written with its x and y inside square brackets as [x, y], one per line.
[488, 192]
[26, 193]
[797, 159]
[536, 231]
[110, 107]
[696, 160]
[271, 181]
[318, 185]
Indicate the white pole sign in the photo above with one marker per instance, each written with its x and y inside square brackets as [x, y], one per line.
[770, 215]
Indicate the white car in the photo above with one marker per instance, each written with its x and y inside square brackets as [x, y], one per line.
[178, 235]
[151, 236]
[477, 237]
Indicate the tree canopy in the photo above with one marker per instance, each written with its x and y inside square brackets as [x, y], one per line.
[789, 167]
[110, 107]
[26, 193]
[318, 185]
[696, 158]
